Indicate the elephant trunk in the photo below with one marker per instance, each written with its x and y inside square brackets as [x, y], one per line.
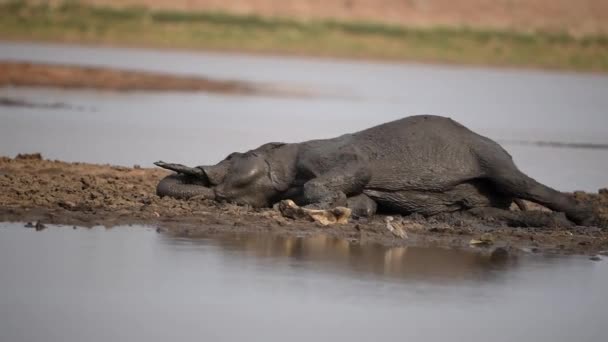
[183, 187]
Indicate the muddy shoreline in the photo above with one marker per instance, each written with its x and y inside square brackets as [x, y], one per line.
[79, 194]
[25, 74]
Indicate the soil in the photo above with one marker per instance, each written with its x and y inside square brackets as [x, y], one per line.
[42, 192]
[22, 74]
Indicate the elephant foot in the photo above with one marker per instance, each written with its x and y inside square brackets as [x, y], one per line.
[337, 215]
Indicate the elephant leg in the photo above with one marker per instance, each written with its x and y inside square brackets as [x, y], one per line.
[362, 206]
[518, 185]
[332, 188]
[521, 218]
[183, 187]
[510, 181]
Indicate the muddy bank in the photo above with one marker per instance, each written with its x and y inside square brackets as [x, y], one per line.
[21, 74]
[45, 191]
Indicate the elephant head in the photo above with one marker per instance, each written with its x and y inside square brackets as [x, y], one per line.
[252, 178]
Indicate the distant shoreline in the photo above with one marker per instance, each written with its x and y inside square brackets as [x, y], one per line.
[555, 144]
[24, 74]
[73, 22]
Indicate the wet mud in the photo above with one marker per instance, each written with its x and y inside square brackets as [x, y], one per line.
[42, 192]
[23, 74]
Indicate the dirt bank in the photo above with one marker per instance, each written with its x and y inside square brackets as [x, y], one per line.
[57, 192]
[18, 74]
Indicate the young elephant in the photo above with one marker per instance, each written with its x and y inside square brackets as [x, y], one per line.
[419, 164]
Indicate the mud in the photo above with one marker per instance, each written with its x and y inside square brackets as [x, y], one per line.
[54, 192]
[22, 74]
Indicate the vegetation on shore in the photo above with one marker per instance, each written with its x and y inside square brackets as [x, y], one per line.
[137, 26]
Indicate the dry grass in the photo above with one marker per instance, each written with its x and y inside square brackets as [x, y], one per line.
[572, 16]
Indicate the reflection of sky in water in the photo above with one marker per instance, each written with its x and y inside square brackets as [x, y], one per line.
[133, 284]
[138, 128]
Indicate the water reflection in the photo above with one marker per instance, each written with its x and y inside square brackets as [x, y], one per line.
[330, 254]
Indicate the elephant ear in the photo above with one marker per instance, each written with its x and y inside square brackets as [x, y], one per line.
[281, 161]
[216, 173]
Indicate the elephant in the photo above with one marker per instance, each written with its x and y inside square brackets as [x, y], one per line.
[422, 164]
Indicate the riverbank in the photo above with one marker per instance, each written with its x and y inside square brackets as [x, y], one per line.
[210, 30]
[56, 192]
[19, 74]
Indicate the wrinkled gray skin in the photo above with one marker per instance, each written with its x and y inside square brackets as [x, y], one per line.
[420, 164]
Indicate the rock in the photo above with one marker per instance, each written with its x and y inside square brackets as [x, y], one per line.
[595, 258]
[29, 225]
[486, 239]
[39, 226]
[338, 215]
[29, 156]
[67, 205]
[396, 228]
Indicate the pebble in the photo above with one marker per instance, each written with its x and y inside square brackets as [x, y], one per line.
[39, 226]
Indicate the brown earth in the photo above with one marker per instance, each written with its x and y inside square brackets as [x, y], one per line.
[22, 74]
[56, 192]
[576, 17]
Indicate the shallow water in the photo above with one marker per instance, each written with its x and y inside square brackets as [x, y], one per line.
[133, 284]
[199, 128]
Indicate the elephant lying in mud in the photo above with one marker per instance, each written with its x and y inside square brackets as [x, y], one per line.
[419, 164]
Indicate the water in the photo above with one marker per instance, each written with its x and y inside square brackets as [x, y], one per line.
[136, 285]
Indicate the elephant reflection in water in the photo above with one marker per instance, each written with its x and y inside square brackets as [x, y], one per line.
[401, 262]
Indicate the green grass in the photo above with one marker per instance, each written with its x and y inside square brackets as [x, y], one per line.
[79, 23]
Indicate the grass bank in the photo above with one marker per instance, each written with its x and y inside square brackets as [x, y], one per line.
[79, 23]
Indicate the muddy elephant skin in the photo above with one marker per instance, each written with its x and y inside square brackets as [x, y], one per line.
[420, 164]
